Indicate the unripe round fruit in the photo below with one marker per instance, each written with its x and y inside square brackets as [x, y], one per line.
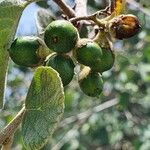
[108, 56]
[23, 51]
[61, 36]
[88, 53]
[107, 60]
[91, 83]
[64, 65]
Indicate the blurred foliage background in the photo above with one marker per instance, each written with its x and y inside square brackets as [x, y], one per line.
[125, 126]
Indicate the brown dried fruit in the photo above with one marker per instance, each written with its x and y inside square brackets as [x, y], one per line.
[124, 26]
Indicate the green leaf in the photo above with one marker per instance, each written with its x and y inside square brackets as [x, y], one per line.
[10, 12]
[44, 108]
[3, 67]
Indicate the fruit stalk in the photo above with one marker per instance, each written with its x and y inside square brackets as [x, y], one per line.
[10, 129]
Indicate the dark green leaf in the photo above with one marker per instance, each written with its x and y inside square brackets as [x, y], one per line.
[44, 108]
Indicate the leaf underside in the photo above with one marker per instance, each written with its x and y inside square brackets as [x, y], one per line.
[44, 108]
[10, 12]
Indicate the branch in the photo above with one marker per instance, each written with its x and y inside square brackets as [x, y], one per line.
[93, 16]
[112, 5]
[89, 17]
[80, 119]
[67, 10]
[81, 10]
[89, 112]
[7, 144]
[10, 129]
[69, 135]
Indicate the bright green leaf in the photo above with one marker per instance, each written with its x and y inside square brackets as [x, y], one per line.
[44, 108]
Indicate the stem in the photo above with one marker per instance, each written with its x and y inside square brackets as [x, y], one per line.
[92, 17]
[81, 18]
[112, 5]
[81, 9]
[7, 144]
[10, 129]
[67, 10]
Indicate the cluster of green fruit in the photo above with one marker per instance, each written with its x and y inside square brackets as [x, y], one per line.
[62, 48]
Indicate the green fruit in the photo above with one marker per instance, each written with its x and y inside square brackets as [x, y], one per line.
[108, 57]
[61, 36]
[107, 60]
[23, 51]
[91, 83]
[89, 53]
[64, 65]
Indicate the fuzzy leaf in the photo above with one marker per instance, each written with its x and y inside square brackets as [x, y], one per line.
[10, 12]
[44, 108]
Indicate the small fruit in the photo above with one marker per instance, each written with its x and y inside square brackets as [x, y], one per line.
[24, 51]
[108, 56]
[88, 53]
[91, 83]
[61, 36]
[124, 26]
[108, 59]
[64, 65]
